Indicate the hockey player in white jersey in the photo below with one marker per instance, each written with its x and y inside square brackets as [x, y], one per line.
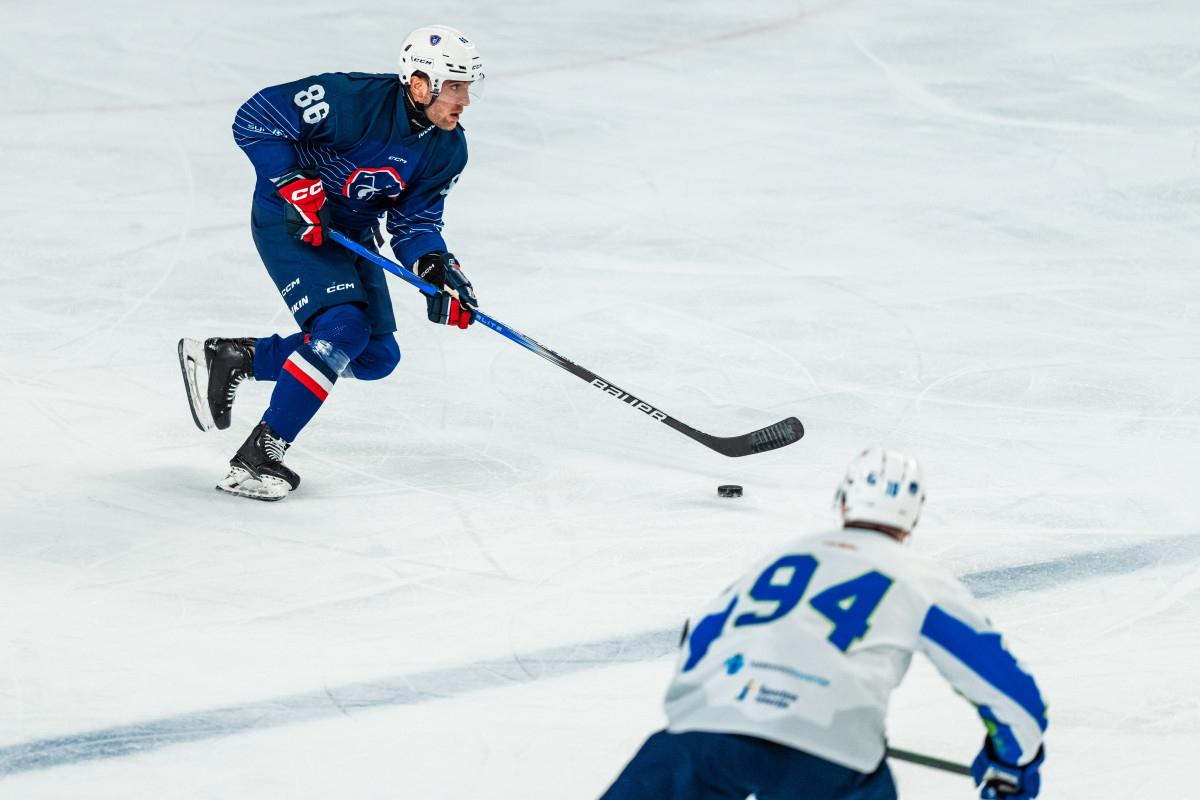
[783, 680]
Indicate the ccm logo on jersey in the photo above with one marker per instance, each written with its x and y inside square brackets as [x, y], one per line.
[290, 286]
[339, 287]
[640, 405]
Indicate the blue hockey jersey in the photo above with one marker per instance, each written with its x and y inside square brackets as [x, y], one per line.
[353, 129]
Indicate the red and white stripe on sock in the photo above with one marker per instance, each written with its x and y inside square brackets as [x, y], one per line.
[307, 367]
[304, 382]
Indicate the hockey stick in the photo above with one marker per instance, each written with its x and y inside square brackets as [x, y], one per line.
[780, 434]
[928, 761]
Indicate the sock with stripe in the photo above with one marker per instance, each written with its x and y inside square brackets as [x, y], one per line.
[271, 351]
[307, 375]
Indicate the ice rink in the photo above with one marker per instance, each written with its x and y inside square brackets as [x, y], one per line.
[965, 230]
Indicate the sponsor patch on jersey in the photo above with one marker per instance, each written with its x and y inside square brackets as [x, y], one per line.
[366, 182]
[774, 697]
[733, 665]
[791, 672]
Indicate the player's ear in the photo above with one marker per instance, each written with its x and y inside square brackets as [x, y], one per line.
[419, 87]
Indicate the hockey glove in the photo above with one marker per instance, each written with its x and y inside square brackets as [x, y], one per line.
[1003, 781]
[305, 196]
[455, 303]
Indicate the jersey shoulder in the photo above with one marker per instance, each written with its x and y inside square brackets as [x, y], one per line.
[350, 84]
[368, 80]
[923, 579]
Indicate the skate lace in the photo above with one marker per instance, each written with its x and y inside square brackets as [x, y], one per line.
[274, 448]
[236, 381]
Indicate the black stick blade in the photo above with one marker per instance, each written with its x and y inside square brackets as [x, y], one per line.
[772, 437]
[775, 436]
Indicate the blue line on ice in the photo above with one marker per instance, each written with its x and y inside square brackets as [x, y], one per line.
[553, 662]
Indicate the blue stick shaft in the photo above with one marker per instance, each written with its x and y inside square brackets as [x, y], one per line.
[390, 266]
[428, 288]
[782, 433]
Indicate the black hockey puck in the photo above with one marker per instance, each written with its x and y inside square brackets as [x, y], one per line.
[729, 490]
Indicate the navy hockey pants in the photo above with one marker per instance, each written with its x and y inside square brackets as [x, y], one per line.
[342, 305]
[312, 279]
[377, 358]
[728, 766]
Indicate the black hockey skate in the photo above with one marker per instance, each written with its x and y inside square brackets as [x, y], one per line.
[227, 362]
[257, 471]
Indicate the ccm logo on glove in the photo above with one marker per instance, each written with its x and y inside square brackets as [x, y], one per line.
[312, 190]
[454, 303]
[305, 195]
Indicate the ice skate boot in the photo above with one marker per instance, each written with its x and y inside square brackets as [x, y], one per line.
[226, 363]
[257, 471]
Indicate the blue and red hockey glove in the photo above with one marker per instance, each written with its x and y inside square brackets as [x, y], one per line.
[304, 194]
[454, 303]
[1000, 780]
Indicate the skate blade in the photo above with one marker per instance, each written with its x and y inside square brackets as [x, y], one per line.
[191, 360]
[242, 483]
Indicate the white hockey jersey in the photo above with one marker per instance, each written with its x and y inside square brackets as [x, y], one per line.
[806, 648]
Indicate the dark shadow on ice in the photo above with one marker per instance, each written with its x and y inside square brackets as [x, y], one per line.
[554, 662]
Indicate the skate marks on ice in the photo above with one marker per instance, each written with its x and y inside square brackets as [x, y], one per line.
[544, 664]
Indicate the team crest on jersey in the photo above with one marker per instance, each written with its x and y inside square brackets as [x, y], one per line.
[365, 183]
[434, 39]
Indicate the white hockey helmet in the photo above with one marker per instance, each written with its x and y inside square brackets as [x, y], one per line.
[442, 54]
[882, 487]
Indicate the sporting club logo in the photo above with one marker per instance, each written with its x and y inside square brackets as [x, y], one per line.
[365, 183]
[434, 39]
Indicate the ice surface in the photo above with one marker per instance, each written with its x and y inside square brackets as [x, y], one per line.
[965, 230]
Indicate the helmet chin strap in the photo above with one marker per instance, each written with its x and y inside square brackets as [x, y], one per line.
[417, 111]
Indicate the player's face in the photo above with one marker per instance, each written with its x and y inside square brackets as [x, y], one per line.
[451, 101]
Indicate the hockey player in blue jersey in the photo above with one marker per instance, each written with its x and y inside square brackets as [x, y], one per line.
[782, 681]
[340, 150]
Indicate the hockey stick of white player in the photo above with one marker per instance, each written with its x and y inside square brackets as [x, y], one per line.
[780, 434]
[928, 761]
